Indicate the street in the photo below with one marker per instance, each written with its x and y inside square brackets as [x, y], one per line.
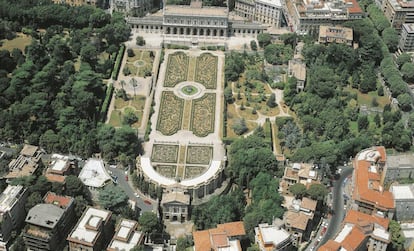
[337, 206]
[120, 173]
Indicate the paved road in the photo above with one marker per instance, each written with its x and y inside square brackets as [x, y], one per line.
[131, 191]
[338, 206]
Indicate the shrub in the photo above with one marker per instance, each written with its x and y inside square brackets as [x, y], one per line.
[118, 61]
[107, 101]
[126, 71]
[130, 52]
[140, 41]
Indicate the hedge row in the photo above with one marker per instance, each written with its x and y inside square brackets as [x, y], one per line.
[118, 62]
[177, 47]
[107, 101]
[214, 48]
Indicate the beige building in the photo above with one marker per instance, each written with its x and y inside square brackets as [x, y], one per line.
[135, 8]
[27, 163]
[335, 34]
[126, 236]
[76, 2]
[265, 11]
[175, 205]
[12, 212]
[303, 173]
[398, 12]
[305, 16]
[92, 232]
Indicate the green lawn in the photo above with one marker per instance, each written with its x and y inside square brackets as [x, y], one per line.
[366, 99]
[20, 42]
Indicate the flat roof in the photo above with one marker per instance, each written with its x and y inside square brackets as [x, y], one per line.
[29, 150]
[276, 3]
[381, 233]
[44, 215]
[91, 217]
[272, 234]
[401, 160]
[402, 191]
[344, 232]
[9, 197]
[185, 10]
[93, 174]
[58, 164]
[120, 245]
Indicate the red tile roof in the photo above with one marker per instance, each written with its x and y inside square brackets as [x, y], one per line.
[356, 217]
[354, 239]
[60, 201]
[330, 245]
[206, 240]
[55, 178]
[354, 9]
[366, 189]
[233, 228]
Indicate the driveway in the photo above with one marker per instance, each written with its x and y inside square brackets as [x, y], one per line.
[130, 191]
[337, 206]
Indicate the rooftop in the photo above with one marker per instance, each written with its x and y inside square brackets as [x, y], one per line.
[355, 217]
[335, 31]
[126, 236]
[44, 215]
[297, 220]
[93, 174]
[272, 234]
[205, 240]
[9, 197]
[55, 178]
[401, 160]
[58, 200]
[29, 150]
[275, 3]
[175, 196]
[185, 10]
[59, 165]
[86, 228]
[402, 192]
[368, 187]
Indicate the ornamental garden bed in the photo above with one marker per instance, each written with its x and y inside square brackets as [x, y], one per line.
[199, 155]
[163, 153]
[194, 171]
[166, 170]
[206, 70]
[177, 69]
[203, 114]
[170, 113]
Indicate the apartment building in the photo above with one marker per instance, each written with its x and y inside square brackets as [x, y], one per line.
[27, 163]
[398, 12]
[76, 2]
[126, 236]
[303, 173]
[307, 15]
[360, 232]
[59, 167]
[12, 212]
[368, 193]
[335, 34]
[135, 8]
[49, 223]
[225, 237]
[272, 237]
[406, 43]
[265, 11]
[92, 232]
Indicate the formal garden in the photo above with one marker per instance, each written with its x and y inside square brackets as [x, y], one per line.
[128, 112]
[199, 155]
[193, 171]
[203, 115]
[164, 153]
[177, 69]
[206, 70]
[139, 63]
[170, 113]
[168, 171]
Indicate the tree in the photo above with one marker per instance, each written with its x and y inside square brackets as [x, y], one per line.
[402, 59]
[33, 199]
[129, 117]
[42, 186]
[271, 102]
[130, 52]
[278, 53]
[239, 126]
[184, 242]
[390, 38]
[407, 71]
[80, 205]
[363, 122]
[397, 239]
[140, 41]
[377, 120]
[317, 191]
[264, 39]
[405, 102]
[149, 223]
[112, 197]
[74, 186]
[298, 190]
[228, 94]
[253, 45]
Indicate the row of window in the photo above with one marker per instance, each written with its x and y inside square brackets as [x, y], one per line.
[194, 22]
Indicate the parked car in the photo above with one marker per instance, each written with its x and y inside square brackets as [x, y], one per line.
[147, 202]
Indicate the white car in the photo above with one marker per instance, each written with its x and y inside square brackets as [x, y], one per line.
[136, 195]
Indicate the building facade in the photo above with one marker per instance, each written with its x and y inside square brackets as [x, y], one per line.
[76, 2]
[398, 12]
[264, 11]
[135, 8]
[49, 223]
[406, 43]
[12, 212]
[175, 206]
[404, 201]
[305, 16]
[92, 232]
[335, 34]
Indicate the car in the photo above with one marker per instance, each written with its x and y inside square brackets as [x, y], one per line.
[136, 195]
[147, 202]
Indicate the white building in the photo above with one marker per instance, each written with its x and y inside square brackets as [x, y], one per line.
[404, 201]
[272, 237]
[399, 166]
[126, 236]
[93, 174]
[12, 212]
[92, 232]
